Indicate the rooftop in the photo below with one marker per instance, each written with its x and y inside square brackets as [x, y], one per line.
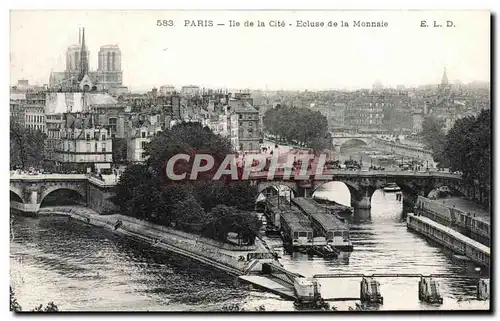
[240, 106]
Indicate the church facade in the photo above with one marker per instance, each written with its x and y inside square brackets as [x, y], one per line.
[108, 74]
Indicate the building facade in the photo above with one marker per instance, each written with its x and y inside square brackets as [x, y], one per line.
[190, 91]
[34, 111]
[365, 112]
[17, 112]
[83, 144]
[418, 120]
[140, 130]
[244, 126]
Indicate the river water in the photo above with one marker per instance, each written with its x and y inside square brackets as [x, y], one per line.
[83, 268]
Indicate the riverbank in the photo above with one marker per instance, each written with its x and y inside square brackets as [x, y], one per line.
[225, 257]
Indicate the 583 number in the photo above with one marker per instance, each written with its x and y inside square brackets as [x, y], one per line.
[165, 23]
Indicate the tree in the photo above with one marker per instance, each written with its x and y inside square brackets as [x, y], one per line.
[467, 147]
[27, 146]
[119, 149]
[185, 138]
[300, 125]
[126, 189]
[189, 215]
[434, 137]
[227, 219]
[145, 191]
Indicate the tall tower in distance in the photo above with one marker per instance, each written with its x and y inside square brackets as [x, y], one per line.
[444, 87]
[444, 80]
[110, 58]
[84, 58]
[73, 55]
[109, 66]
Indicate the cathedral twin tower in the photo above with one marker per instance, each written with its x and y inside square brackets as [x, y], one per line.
[107, 75]
[109, 58]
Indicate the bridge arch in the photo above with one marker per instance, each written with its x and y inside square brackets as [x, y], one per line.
[16, 195]
[262, 186]
[76, 190]
[354, 140]
[354, 192]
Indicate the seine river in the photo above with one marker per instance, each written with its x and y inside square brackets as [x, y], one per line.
[81, 267]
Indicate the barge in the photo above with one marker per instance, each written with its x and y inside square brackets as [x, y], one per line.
[325, 224]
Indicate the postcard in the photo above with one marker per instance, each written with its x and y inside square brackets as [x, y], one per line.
[257, 161]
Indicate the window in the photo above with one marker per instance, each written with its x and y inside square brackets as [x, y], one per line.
[143, 155]
[112, 124]
[241, 124]
[103, 147]
[143, 134]
[239, 116]
[103, 137]
[88, 136]
[143, 145]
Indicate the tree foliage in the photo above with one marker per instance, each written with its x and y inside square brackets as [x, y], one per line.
[433, 136]
[467, 147]
[144, 192]
[228, 219]
[301, 125]
[27, 146]
[185, 138]
[119, 149]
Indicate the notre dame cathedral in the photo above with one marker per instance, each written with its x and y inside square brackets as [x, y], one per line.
[77, 74]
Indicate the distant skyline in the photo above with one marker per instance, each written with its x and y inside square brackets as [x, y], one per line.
[286, 58]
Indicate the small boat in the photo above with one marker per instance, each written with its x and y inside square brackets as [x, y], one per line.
[326, 251]
[392, 187]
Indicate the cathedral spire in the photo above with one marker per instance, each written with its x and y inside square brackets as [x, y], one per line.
[79, 36]
[444, 80]
[83, 41]
[84, 63]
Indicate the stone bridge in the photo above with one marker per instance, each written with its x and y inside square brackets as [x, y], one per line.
[375, 141]
[31, 190]
[363, 184]
[339, 140]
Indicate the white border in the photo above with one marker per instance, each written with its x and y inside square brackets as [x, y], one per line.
[188, 4]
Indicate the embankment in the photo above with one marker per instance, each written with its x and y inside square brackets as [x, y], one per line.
[225, 257]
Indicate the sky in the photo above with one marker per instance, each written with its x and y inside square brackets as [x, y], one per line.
[403, 53]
